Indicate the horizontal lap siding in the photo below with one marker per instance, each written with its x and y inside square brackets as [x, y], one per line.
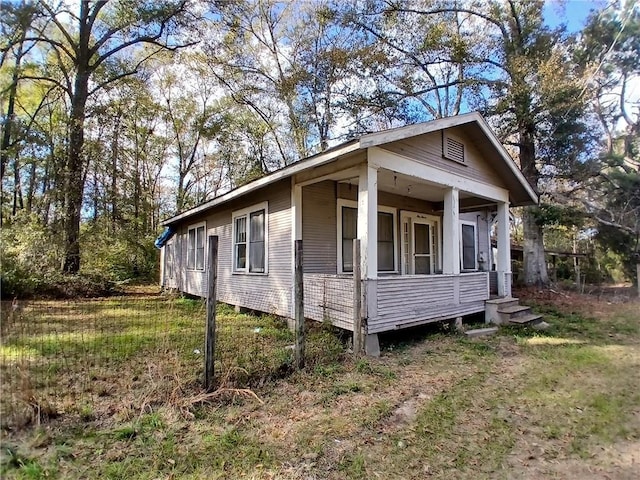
[329, 298]
[269, 293]
[474, 287]
[427, 148]
[412, 294]
[319, 227]
[407, 301]
[430, 314]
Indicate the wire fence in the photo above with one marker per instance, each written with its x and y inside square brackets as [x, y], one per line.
[92, 358]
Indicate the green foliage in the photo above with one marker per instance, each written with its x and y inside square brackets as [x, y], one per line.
[31, 258]
[562, 215]
[121, 256]
[323, 348]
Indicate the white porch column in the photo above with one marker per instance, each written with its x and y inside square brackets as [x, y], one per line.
[368, 220]
[296, 211]
[451, 232]
[503, 265]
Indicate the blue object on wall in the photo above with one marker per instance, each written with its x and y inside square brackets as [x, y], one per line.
[164, 237]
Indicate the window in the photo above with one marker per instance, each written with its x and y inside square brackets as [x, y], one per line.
[386, 247]
[468, 246]
[168, 260]
[347, 230]
[250, 239]
[195, 247]
[349, 233]
[452, 148]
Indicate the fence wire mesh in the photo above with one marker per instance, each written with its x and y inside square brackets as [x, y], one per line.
[92, 358]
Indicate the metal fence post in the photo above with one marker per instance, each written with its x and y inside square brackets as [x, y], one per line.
[210, 338]
[357, 300]
[299, 306]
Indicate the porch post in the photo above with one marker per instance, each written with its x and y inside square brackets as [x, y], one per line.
[296, 234]
[368, 235]
[451, 232]
[504, 251]
[368, 220]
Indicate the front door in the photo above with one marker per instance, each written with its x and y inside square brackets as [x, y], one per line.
[420, 248]
[422, 254]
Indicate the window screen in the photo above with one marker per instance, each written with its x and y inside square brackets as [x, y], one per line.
[240, 243]
[349, 229]
[468, 247]
[256, 247]
[385, 242]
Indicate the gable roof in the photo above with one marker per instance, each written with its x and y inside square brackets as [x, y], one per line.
[519, 188]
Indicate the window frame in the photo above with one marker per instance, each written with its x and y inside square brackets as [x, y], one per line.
[196, 226]
[343, 202]
[246, 212]
[475, 246]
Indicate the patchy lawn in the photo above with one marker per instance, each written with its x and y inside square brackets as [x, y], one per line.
[563, 403]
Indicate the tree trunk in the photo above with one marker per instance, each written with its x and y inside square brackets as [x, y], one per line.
[17, 188]
[8, 124]
[74, 176]
[534, 264]
[31, 191]
[113, 191]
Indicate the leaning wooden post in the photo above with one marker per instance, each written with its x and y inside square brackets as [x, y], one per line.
[298, 293]
[357, 299]
[210, 338]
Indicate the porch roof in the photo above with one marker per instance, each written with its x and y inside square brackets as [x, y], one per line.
[520, 191]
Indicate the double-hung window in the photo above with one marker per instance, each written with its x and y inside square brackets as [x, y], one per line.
[195, 247]
[469, 246]
[250, 239]
[347, 230]
[168, 260]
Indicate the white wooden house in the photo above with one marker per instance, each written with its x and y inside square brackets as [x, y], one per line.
[421, 200]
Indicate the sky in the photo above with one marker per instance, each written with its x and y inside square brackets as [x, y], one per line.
[572, 13]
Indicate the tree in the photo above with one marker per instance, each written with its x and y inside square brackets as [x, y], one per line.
[15, 24]
[295, 65]
[531, 93]
[610, 55]
[416, 77]
[87, 51]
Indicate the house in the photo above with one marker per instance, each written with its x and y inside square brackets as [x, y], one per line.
[419, 198]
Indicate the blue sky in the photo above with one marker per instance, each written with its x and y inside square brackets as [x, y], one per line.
[572, 13]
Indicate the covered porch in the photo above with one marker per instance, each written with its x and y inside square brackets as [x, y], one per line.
[424, 241]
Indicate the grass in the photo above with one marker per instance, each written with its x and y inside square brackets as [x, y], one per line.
[524, 404]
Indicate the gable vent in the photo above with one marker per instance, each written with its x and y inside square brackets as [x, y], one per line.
[454, 150]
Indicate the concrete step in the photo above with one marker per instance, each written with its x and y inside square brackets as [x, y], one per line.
[502, 302]
[514, 310]
[480, 332]
[528, 320]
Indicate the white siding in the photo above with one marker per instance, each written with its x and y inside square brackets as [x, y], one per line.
[427, 148]
[411, 300]
[167, 280]
[269, 293]
[319, 225]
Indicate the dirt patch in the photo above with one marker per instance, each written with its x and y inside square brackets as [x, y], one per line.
[620, 461]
